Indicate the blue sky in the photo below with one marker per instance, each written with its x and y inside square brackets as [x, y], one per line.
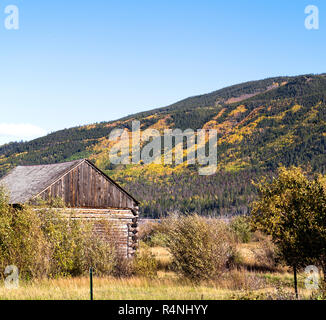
[79, 62]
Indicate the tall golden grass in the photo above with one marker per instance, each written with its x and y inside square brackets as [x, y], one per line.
[166, 286]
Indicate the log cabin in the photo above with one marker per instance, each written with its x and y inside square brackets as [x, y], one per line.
[85, 190]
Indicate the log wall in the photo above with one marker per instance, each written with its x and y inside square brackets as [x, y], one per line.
[117, 226]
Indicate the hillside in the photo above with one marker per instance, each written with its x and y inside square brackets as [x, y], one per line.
[261, 124]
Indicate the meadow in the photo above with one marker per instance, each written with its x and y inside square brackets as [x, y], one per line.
[241, 283]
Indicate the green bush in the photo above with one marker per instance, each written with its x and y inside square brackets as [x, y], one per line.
[241, 228]
[200, 248]
[158, 239]
[153, 234]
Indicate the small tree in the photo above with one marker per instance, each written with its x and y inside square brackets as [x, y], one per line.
[292, 209]
[241, 228]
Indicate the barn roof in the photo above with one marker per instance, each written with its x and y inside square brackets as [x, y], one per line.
[26, 182]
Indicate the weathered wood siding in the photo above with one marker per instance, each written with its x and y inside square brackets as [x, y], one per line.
[86, 187]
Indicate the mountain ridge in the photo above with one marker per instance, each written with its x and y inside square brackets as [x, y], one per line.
[260, 124]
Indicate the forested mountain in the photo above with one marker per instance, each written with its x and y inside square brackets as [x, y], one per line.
[260, 124]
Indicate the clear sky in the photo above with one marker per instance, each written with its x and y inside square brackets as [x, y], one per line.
[79, 62]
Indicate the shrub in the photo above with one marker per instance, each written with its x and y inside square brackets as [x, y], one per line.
[94, 251]
[200, 247]
[241, 228]
[74, 246]
[144, 263]
[44, 242]
[146, 230]
[124, 267]
[158, 239]
[22, 242]
[60, 236]
[153, 234]
[235, 260]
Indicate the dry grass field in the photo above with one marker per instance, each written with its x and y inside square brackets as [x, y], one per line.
[235, 284]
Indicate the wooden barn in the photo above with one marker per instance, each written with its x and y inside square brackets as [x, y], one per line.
[84, 188]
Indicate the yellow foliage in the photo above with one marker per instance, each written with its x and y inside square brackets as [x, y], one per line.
[296, 108]
[282, 142]
[161, 124]
[239, 133]
[312, 114]
[238, 111]
[212, 124]
[235, 166]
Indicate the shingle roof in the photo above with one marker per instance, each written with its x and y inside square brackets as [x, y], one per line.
[23, 183]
